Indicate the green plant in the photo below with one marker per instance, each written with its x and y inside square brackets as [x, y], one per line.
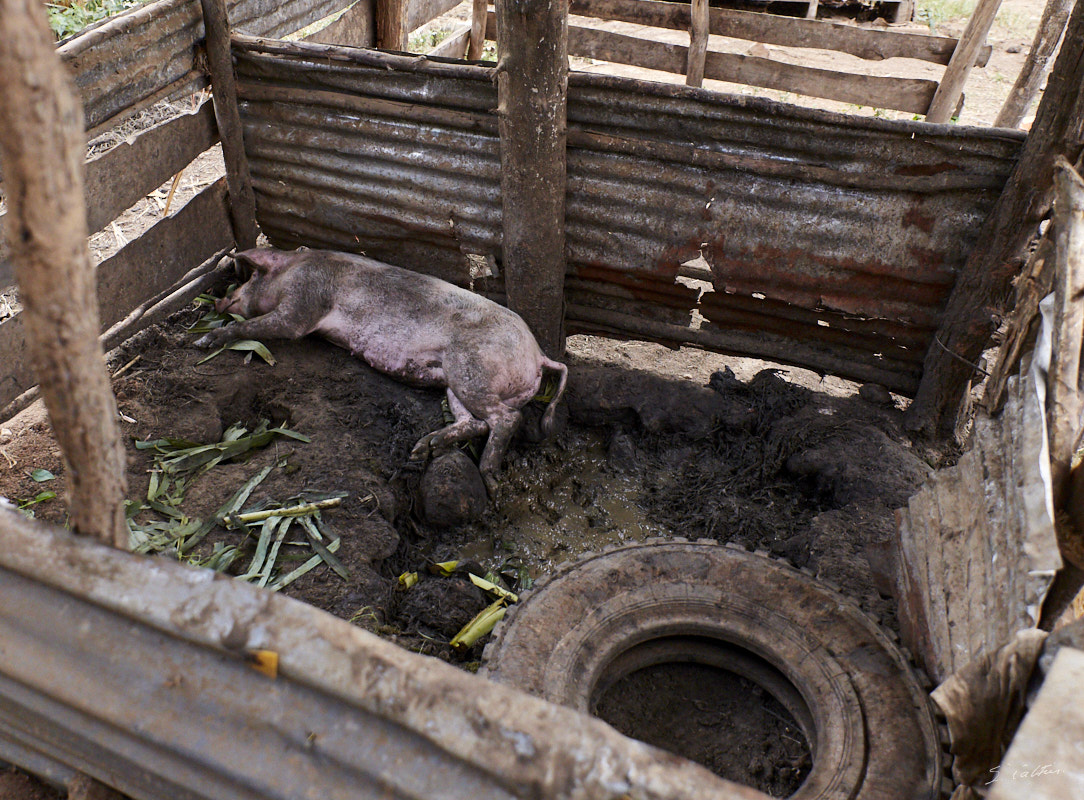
[71, 16]
[937, 12]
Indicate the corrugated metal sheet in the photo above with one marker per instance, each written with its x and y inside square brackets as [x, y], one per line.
[832, 241]
[151, 51]
[137, 671]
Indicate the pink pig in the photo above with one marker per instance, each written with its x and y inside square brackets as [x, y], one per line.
[419, 329]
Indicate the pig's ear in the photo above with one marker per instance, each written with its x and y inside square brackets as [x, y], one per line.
[264, 260]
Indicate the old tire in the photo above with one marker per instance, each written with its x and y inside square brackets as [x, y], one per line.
[867, 720]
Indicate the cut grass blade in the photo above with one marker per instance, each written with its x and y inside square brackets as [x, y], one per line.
[244, 345]
[478, 627]
[308, 566]
[322, 550]
[262, 543]
[273, 554]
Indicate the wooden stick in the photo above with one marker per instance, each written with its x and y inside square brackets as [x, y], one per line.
[698, 44]
[1065, 390]
[532, 91]
[391, 27]
[41, 156]
[479, 9]
[976, 304]
[238, 179]
[948, 94]
[1035, 69]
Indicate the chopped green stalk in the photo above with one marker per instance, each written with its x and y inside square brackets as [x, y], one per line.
[237, 520]
[308, 566]
[478, 627]
[492, 588]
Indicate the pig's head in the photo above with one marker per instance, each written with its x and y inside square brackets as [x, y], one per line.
[258, 268]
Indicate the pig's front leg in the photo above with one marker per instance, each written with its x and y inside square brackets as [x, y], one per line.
[283, 322]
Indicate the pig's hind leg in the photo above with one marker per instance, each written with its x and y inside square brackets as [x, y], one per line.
[466, 426]
[503, 422]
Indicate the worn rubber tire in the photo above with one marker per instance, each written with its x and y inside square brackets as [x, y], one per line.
[868, 722]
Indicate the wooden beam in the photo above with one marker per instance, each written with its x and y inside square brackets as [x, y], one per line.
[479, 9]
[1037, 66]
[356, 27]
[532, 91]
[147, 265]
[978, 299]
[868, 43]
[947, 98]
[698, 43]
[391, 25]
[454, 45]
[419, 12]
[904, 94]
[238, 178]
[42, 147]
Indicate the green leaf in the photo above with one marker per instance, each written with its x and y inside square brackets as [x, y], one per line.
[249, 345]
[41, 475]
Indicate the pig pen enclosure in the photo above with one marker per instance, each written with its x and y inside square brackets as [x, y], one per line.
[692, 228]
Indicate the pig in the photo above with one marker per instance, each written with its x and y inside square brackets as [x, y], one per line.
[416, 328]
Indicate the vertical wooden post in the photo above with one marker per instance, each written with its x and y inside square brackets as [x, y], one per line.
[947, 97]
[391, 32]
[42, 147]
[1047, 38]
[219, 61]
[479, 10]
[698, 43]
[532, 90]
[984, 284]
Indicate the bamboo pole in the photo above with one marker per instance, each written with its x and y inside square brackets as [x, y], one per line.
[42, 148]
[532, 91]
[238, 179]
[951, 89]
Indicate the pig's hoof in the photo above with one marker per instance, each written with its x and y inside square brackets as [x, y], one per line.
[205, 342]
[491, 484]
[423, 449]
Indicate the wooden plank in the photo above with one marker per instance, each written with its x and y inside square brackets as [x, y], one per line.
[140, 54]
[864, 43]
[419, 12]
[355, 28]
[904, 94]
[532, 91]
[119, 178]
[228, 116]
[142, 268]
[944, 104]
[455, 45]
[698, 43]
[154, 261]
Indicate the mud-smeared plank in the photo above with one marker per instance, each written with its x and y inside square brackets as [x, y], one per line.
[977, 545]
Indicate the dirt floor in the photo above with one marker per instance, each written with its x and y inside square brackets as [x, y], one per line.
[653, 443]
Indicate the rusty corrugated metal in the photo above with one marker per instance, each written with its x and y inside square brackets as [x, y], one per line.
[150, 51]
[832, 241]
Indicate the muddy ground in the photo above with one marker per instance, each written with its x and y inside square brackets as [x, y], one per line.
[808, 476]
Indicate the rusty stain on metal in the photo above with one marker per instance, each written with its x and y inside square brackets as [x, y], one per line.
[853, 228]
